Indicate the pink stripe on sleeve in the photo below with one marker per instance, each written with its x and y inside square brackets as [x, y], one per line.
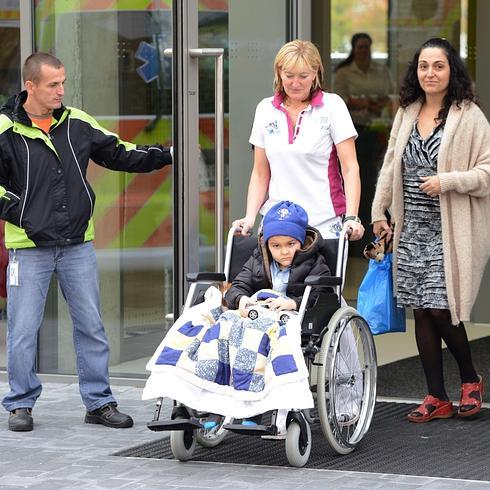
[336, 184]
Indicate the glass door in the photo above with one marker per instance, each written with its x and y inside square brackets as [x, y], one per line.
[200, 98]
[198, 176]
[150, 229]
[222, 56]
[116, 71]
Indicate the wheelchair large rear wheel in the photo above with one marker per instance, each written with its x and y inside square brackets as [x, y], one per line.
[346, 385]
[183, 443]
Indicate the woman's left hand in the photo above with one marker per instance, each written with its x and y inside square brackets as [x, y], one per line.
[357, 229]
[431, 185]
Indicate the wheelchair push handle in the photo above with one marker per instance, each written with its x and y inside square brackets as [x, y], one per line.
[323, 281]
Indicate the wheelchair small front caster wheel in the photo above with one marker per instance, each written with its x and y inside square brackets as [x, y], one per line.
[298, 445]
[183, 443]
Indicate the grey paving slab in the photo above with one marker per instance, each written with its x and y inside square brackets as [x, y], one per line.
[63, 453]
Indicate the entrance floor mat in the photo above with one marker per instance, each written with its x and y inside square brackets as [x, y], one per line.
[447, 448]
[414, 386]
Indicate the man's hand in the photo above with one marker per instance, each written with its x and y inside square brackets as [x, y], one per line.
[279, 304]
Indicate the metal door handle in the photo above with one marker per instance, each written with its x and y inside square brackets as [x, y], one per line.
[217, 54]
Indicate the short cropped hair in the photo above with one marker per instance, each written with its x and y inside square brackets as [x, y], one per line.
[298, 54]
[32, 65]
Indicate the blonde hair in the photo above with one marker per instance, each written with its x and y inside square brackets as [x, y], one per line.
[300, 54]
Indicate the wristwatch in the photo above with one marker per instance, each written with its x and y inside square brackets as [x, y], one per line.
[351, 218]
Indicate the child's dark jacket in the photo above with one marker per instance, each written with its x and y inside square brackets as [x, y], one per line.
[256, 273]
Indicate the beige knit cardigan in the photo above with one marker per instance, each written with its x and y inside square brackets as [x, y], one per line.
[463, 166]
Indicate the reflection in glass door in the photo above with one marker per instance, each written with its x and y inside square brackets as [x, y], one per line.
[120, 77]
[9, 85]
[129, 91]
[148, 227]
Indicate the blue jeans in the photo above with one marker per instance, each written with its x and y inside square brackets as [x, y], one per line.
[76, 269]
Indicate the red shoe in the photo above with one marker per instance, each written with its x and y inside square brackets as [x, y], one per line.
[431, 408]
[471, 398]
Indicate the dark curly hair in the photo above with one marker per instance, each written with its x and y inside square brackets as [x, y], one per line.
[460, 86]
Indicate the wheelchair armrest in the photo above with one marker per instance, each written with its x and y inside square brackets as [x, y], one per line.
[205, 277]
[323, 281]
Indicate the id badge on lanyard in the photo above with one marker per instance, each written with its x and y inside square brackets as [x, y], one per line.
[13, 271]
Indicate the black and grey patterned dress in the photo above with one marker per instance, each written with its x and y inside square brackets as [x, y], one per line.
[420, 279]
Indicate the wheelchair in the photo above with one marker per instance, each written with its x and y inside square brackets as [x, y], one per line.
[339, 353]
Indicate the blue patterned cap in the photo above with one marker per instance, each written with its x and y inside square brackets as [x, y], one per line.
[286, 219]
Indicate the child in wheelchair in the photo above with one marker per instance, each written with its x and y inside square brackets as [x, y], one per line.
[235, 364]
[288, 252]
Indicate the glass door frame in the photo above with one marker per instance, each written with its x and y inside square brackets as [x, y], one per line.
[185, 132]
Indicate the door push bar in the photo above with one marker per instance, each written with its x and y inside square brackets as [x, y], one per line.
[217, 54]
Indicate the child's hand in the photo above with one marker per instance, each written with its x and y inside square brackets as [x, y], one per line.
[244, 302]
[281, 304]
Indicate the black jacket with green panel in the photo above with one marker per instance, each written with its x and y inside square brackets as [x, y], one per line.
[44, 194]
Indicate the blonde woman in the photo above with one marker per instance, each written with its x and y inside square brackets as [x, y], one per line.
[300, 135]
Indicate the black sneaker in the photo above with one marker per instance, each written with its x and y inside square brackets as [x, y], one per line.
[109, 416]
[20, 420]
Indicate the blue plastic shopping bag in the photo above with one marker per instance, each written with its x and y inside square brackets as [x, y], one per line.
[375, 300]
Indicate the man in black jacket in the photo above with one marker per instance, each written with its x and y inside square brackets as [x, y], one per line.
[47, 204]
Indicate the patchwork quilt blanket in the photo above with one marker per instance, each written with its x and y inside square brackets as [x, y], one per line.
[217, 361]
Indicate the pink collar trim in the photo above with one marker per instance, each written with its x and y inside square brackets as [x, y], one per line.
[277, 100]
[316, 100]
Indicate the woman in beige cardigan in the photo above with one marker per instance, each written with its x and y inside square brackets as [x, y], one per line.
[435, 183]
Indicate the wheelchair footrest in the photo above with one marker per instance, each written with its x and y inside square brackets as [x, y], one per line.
[252, 430]
[176, 424]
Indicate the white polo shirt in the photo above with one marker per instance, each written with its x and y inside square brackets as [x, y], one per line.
[303, 160]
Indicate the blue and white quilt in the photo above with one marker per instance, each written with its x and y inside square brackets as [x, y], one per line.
[217, 361]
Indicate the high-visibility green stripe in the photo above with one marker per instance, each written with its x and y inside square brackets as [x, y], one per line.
[83, 116]
[108, 187]
[33, 132]
[5, 123]
[162, 132]
[90, 231]
[16, 237]
[147, 220]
